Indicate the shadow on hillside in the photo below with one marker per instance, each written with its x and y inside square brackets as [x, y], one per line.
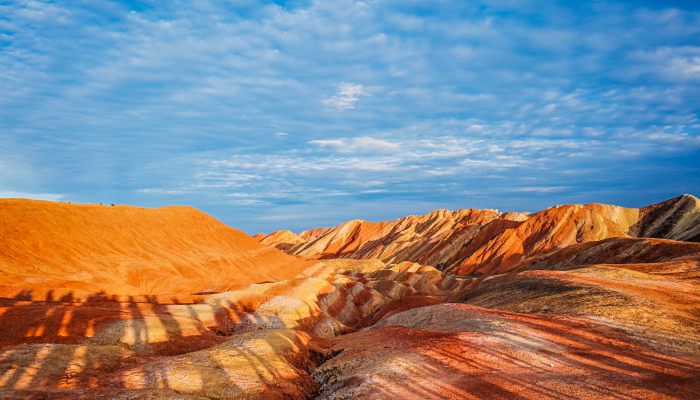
[59, 348]
[103, 345]
[581, 365]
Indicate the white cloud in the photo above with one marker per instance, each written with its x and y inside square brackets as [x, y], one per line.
[43, 11]
[35, 196]
[354, 165]
[537, 189]
[345, 97]
[687, 67]
[358, 144]
[674, 138]
[248, 202]
[676, 64]
[157, 191]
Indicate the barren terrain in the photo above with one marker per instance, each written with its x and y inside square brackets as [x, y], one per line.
[579, 301]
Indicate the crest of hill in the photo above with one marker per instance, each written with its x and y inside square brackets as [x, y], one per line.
[342, 240]
[479, 242]
[311, 234]
[432, 239]
[82, 248]
[561, 226]
[550, 229]
[283, 240]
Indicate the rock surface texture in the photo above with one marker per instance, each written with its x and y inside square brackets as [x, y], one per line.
[582, 302]
[475, 242]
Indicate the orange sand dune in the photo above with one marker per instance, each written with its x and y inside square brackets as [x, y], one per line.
[81, 248]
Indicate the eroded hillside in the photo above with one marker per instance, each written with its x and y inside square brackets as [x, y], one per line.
[611, 318]
[477, 242]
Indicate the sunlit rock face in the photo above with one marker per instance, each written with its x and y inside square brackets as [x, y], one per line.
[283, 240]
[478, 242]
[63, 251]
[436, 238]
[586, 308]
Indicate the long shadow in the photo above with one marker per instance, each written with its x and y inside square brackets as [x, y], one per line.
[43, 349]
[587, 363]
[52, 347]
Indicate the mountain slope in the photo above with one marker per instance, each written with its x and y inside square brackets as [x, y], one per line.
[474, 242]
[677, 218]
[434, 238]
[283, 240]
[343, 240]
[647, 287]
[127, 250]
[547, 230]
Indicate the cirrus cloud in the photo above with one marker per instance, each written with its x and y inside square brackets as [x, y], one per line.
[346, 96]
[325, 111]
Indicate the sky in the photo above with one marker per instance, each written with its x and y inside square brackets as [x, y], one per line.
[299, 114]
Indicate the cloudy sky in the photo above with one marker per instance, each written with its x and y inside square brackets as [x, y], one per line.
[299, 114]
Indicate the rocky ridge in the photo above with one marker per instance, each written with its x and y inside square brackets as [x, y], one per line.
[478, 242]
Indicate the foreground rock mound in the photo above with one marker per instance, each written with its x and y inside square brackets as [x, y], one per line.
[456, 351]
[646, 287]
[258, 342]
[361, 329]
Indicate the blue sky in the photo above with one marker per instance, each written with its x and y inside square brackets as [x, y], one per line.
[272, 115]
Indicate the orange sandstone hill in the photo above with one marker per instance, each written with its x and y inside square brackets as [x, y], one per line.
[587, 308]
[283, 240]
[80, 249]
[482, 241]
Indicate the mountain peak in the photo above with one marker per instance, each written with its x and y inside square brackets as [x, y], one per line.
[468, 241]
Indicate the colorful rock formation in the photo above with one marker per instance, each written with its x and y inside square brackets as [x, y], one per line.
[475, 242]
[585, 309]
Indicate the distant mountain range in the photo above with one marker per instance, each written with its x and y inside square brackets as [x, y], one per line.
[473, 242]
